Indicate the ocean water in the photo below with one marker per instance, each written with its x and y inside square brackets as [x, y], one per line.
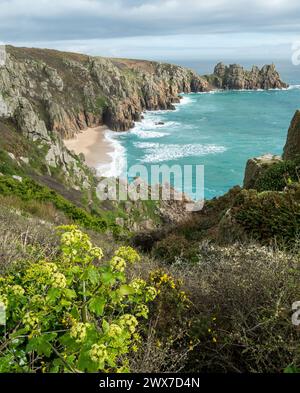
[220, 130]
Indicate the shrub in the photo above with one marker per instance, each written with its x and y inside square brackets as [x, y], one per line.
[268, 216]
[72, 314]
[241, 307]
[173, 247]
[278, 176]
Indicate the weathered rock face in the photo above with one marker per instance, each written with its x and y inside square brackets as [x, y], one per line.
[256, 167]
[236, 77]
[69, 92]
[291, 149]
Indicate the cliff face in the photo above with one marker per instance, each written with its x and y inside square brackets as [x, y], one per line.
[291, 149]
[236, 77]
[64, 92]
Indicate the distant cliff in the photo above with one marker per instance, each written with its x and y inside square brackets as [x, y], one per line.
[236, 77]
[69, 92]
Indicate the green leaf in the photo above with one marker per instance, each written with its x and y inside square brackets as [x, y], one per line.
[41, 344]
[53, 294]
[105, 326]
[125, 290]
[97, 305]
[69, 293]
[108, 277]
[92, 275]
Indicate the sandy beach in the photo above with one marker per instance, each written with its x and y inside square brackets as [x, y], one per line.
[97, 149]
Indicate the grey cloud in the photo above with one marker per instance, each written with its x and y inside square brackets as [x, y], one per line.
[50, 20]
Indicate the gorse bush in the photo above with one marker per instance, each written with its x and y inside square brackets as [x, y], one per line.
[75, 313]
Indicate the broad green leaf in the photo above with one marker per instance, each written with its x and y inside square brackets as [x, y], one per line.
[97, 305]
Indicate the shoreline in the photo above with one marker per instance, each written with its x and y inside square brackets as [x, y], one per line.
[98, 149]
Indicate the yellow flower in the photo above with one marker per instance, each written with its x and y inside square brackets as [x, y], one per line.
[114, 330]
[58, 280]
[98, 353]
[138, 284]
[30, 320]
[78, 331]
[118, 264]
[151, 293]
[130, 321]
[17, 290]
[128, 254]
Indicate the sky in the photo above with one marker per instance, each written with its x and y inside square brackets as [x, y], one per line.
[182, 30]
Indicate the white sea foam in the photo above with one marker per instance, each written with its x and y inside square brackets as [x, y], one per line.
[152, 121]
[117, 165]
[293, 87]
[156, 152]
[149, 134]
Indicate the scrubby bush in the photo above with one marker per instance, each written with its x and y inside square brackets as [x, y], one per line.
[241, 306]
[268, 216]
[172, 247]
[278, 176]
[72, 314]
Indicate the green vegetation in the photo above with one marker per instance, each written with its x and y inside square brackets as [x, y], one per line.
[72, 315]
[29, 190]
[278, 176]
[269, 216]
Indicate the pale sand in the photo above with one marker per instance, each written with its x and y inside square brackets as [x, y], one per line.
[93, 144]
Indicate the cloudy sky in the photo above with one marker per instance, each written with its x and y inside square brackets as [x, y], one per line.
[156, 29]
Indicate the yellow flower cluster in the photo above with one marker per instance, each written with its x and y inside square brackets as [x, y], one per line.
[114, 330]
[96, 252]
[74, 235]
[78, 331]
[30, 320]
[58, 280]
[41, 273]
[129, 254]
[151, 293]
[118, 264]
[77, 244]
[130, 321]
[98, 353]
[142, 311]
[17, 290]
[166, 279]
[138, 284]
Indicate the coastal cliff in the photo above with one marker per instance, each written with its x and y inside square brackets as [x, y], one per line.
[46, 91]
[236, 77]
[65, 92]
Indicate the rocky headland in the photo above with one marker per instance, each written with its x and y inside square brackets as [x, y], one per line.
[235, 77]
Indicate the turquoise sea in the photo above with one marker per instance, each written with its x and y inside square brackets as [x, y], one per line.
[220, 130]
